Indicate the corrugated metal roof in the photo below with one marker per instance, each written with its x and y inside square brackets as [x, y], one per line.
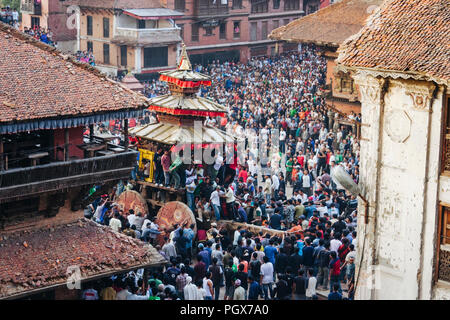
[153, 12]
[173, 134]
[187, 103]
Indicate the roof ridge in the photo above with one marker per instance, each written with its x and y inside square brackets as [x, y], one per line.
[307, 17]
[5, 28]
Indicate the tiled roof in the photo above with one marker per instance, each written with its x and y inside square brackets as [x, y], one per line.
[330, 25]
[39, 82]
[36, 259]
[171, 101]
[173, 134]
[117, 4]
[404, 35]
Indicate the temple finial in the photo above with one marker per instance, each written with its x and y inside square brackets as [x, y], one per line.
[184, 64]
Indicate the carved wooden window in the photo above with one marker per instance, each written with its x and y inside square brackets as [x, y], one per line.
[443, 249]
[446, 138]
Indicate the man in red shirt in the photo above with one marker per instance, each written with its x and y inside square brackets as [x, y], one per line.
[243, 174]
[165, 162]
[335, 271]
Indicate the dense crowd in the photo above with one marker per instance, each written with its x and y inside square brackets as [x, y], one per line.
[41, 34]
[293, 191]
[86, 57]
[10, 16]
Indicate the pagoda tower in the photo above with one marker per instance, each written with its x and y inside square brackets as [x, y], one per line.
[178, 111]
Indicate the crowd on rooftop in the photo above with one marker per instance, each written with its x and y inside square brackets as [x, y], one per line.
[41, 34]
[10, 16]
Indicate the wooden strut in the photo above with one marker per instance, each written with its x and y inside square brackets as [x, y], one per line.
[233, 225]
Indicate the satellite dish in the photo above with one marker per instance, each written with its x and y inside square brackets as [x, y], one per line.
[344, 179]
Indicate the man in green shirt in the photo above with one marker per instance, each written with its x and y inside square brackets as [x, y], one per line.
[173, 170]
[299, 210]
[289, 166]
[338, 157]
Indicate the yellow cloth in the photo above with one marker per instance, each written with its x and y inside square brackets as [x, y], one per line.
[108, 294]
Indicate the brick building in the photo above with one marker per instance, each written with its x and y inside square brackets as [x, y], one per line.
[138, 36]
[50, 14]
[232, 29]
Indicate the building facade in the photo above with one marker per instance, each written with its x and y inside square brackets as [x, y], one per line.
[403, 240]
[232, 29]
[50, 14]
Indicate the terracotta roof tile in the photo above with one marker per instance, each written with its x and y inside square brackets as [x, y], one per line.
[330, 25]
[405, 36]
[35, 259]
[37, 81]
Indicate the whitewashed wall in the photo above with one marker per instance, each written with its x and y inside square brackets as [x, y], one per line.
[399, 176]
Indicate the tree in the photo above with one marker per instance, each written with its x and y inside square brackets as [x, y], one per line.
[14, 4]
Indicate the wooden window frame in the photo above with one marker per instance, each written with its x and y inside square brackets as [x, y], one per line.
[106, 27]
[89, 25]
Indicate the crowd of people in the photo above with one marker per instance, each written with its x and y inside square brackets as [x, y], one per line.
[10, 16]
[41, 34]
[86, 57]
[293, 190]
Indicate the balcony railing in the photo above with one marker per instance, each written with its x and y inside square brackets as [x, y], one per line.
[22, 182]
[149, 35]
[212, 10]
[31, 7]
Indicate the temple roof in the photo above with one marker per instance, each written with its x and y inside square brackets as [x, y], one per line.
[186, 105]
[35, 260]
[172, 134]
[330, 25]
[183, 76]
[407, 36]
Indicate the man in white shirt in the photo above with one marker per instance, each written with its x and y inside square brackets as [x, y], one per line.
[98, 211]
[335, 243]
[190, 290]
[131, 217]
[312, 283]
[275, 185]
[239, 292]
[215, 202]
[237, 234]
[268, 188]
[230, 199]
[266, 280]
[115, 223]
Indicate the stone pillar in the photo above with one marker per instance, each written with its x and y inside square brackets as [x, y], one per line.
[138, 59]
[372, 113]
[125, 129]
[66, 144]
[399, 173]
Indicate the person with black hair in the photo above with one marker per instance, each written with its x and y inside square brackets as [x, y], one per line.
[281, 290]
[242, 276]
[311, 286]
[281, 261]
[181, 282]
[335, 270]
[199, 269]
[216, 277]
[308, 251]
[299, 285]
[267, 278]
[208, 286]
[334, 294]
